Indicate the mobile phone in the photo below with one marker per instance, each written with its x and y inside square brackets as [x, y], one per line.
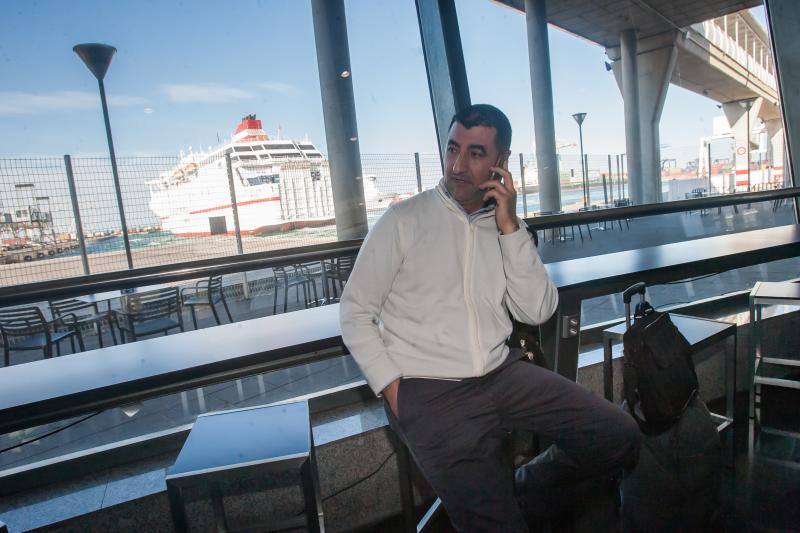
[495, 176]
[499, 163]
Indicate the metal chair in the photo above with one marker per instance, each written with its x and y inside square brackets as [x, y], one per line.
[697, 192]
[588, 228]
[562, 236]
[206, 292]
[299, 276]
[773, 376]
[339, 272]
[35, 332]
[148, 313]
[87, 314]
[623, 202]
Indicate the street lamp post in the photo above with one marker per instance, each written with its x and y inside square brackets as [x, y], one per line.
[579, 119]
[708, 156]
[97, 57]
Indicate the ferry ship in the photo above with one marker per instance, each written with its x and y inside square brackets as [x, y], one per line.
[279, 185]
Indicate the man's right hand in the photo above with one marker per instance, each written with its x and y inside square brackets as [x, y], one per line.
[390, 393]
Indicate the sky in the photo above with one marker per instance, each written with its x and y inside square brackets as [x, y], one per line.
[187, 71]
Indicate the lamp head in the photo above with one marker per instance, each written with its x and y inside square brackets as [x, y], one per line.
[747, 103]
[579, 117]
[97, 57]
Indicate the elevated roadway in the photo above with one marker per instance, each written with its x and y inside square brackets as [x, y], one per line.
[715, 48]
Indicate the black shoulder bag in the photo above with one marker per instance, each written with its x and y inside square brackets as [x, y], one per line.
[526, 337]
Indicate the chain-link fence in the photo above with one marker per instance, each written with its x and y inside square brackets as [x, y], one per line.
[60, 217]
[37, 222]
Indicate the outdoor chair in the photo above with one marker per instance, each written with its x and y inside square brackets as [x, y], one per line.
[339, 272]
[148, 313]
[25, 328]
[562, 233]
[780, 201]
[605, 225]
[297, 277]
[697, 192]
[588, 228]
[206, 292]
[86, 314]
[623, 202]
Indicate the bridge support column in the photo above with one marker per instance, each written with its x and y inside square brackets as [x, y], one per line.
[628, 79]
[657, 56]
[775, 151]
[647, 64]
[742, 116]
[339, 112]
[542, 95]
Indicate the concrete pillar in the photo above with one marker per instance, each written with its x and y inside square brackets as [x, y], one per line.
[775, 149]
[742, 123]
[542, 95]
[656, 60]
[630, 97]
[339, 112]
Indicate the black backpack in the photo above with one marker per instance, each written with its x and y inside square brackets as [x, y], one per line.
[658, 371]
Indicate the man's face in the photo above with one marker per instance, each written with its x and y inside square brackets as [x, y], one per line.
[470, 154]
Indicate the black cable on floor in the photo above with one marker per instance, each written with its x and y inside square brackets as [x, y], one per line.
[355, 483]
[40, 437]
[689, 280]
[363, 479]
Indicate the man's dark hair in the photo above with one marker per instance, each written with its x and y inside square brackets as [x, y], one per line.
[489, 116]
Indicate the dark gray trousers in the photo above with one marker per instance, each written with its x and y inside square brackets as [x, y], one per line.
[457, 433]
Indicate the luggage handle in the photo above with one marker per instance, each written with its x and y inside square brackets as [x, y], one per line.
[638, 288]
[627, 295]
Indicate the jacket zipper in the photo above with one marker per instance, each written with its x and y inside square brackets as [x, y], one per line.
[477, 360]
[478, 363]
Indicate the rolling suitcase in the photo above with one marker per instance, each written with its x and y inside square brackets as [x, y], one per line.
[675, 485]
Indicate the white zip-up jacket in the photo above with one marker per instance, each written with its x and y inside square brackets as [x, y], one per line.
[428, 293]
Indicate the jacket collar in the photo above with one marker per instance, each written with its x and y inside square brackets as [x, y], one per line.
[454, 206]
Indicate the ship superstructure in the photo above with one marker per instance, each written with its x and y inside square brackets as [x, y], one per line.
[278, 184]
